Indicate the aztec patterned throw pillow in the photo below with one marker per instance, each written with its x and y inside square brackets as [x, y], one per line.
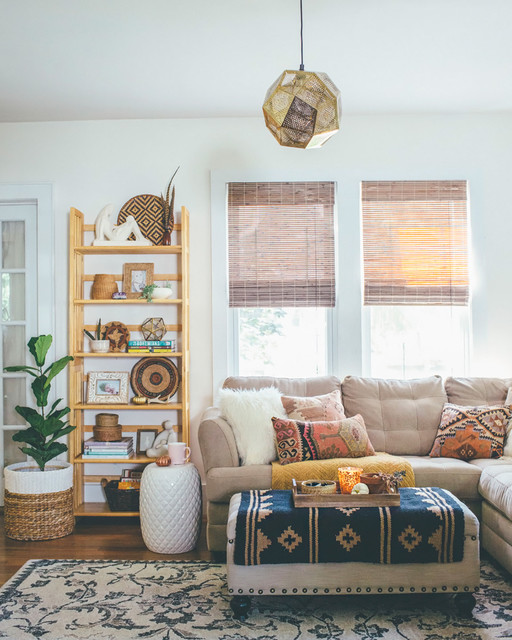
[471, 432]
[299, 441]
[326, 407]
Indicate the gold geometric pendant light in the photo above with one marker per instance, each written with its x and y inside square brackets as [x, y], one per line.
[302, 108]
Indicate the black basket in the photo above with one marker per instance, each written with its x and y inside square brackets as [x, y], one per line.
[120, 499]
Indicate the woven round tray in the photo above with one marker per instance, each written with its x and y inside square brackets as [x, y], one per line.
[118, 334]
[155, 378]
[327, 486]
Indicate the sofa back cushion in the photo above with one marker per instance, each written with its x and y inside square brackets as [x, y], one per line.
[316, 386]
[477, 391]
[401, 416]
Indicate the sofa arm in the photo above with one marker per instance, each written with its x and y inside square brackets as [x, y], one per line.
[222, 483]
[216, 441]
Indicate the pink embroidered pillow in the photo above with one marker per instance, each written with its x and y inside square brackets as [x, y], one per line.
[299, 441]
[325, 408]
[471, 432]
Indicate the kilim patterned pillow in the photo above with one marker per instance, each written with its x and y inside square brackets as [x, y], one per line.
[326, 407]
[299, 441]
[471, 432]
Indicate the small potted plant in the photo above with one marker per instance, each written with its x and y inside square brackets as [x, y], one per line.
[151, 291]
[98, 342]
[39, 499]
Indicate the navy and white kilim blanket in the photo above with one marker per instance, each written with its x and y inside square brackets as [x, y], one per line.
[428, 526]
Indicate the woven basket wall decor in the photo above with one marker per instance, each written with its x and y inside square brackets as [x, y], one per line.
[155, 378]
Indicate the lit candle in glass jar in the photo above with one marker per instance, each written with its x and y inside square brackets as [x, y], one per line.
[349, 477]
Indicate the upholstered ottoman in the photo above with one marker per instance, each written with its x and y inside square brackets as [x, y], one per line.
[340, 578]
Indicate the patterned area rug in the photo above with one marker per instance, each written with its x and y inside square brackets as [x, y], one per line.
[118, 600]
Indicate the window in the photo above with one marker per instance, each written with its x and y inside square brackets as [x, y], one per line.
[416, 277]
[281, 274]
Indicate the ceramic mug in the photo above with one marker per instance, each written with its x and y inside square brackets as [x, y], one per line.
[179, 453]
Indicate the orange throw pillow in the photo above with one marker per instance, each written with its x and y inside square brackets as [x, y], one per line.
[299, 441]
[468, 433]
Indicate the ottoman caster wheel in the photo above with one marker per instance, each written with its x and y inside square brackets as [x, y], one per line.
[240, 606]
[464, 603]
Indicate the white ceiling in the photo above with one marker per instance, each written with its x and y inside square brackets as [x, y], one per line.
[103, 59]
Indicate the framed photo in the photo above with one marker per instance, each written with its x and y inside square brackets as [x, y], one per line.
[136, 275]
[107, 387]
[145, 438]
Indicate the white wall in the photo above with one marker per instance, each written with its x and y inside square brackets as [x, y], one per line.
[93, 163]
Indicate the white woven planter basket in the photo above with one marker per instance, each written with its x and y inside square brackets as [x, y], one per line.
[57, 477]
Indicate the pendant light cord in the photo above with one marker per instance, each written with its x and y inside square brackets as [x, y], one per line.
[301, 40]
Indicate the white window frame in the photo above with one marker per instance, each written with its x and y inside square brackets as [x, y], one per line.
[225, 320]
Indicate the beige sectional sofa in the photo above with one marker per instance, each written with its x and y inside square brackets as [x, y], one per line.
[401, 417]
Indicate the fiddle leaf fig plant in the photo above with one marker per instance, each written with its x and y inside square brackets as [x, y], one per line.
[45, 426]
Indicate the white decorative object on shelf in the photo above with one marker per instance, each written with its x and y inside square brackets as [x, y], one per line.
[159, 446]
[170, 507]
[107, 233]
[161, 293]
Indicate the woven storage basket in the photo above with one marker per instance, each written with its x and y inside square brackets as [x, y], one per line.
[34, 514]
[103, 286]
[326, 488]
[107, 427]
[120, 499]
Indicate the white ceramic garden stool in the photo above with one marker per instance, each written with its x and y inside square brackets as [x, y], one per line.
[170, 507]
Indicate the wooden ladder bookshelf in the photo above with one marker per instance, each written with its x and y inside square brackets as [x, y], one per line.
[78, 301]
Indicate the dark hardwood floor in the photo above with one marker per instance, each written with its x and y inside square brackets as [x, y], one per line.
[93, 538]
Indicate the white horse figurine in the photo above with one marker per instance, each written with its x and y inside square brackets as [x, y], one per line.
[107, 233]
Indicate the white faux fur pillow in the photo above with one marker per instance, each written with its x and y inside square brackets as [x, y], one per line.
[250, 413]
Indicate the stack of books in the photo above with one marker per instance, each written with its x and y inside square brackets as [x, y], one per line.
[118, 449]
[151, 346]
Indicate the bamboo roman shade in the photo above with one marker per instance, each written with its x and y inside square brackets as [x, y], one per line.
[281, 244]
[415, 242]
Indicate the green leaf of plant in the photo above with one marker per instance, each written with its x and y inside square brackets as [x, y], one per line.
[56, 368]
[30, 370]
[41, 391]
[54, 449]
[62, 432]
[30, 436]
[33, 417]
[89, 334]
[38, 456]
[51, 426]
[39, 348]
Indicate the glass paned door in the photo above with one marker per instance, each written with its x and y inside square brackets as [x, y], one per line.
[18, 295]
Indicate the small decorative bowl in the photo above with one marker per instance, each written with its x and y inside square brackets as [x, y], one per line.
[119, 295]
[318, 486]
[139, 400]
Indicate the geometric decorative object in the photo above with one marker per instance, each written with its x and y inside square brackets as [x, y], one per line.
[155, 378]
[148, 213]
[302, 108]
[153, 328]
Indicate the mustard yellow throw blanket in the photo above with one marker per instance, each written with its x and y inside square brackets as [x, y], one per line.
[282, 474]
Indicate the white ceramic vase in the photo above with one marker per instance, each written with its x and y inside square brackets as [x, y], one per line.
[100, 346]
[161, 293]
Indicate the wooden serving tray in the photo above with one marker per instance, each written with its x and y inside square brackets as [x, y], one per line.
[344, 499]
